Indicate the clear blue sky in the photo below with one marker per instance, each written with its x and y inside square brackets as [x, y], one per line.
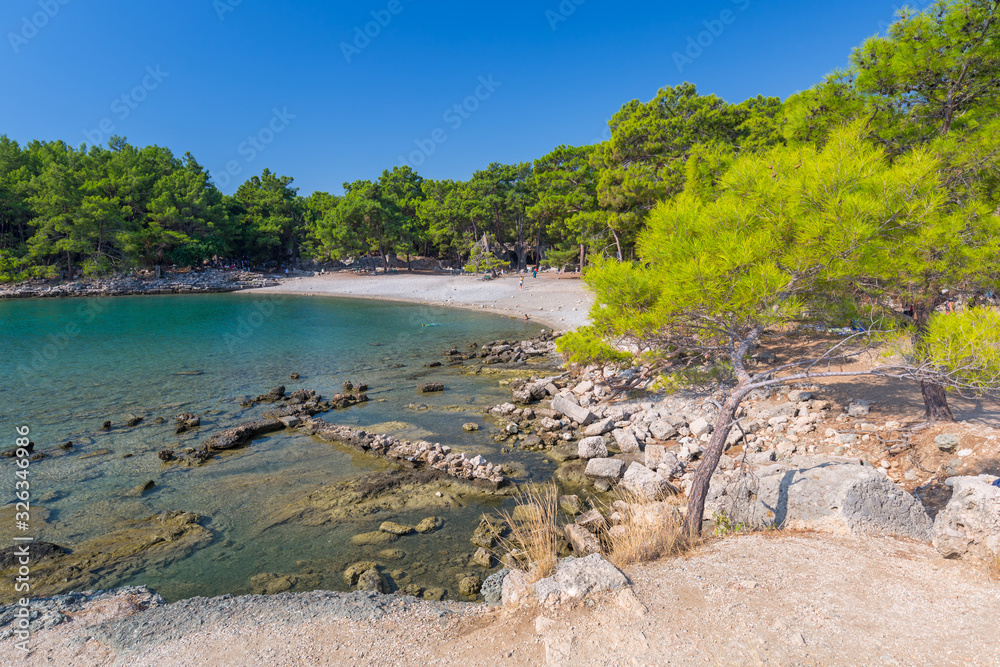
[205, 75]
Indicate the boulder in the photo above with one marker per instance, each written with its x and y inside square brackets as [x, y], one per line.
[578, 578]
[430, 387]
[797, 396]
[572, 411]
[605, 468]
[582, 540]
[819, 493]
[470, 585]
[429, 524]
[395, 528]
[646, 484]
[946, 442]
[492, 588]
[571, 505]
[483, 558]
[969, 525]
[600, 427]
[593, 521]
[662, 460]
[592, 448]
[372, 581]
[140, 489]
[470, 427]
[662, 429]
[239, 435]
[627, 442]
[700, 427]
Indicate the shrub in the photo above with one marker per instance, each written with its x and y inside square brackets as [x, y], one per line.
[644, 531]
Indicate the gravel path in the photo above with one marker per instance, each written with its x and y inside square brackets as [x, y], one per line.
[559, 301]
[767, 598]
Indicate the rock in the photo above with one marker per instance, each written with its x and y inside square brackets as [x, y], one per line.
[470, 427]
[10, 557]
[593, 521]
[239, 435]
[106, 426]
[583, 388]
[430, 387]
[290, 421]
[277, 393]
[434, 594]
[627, 443]
[600, 428]
[582, 540]
[492, 588]
[700, 427]
[571, 505]
[483, 558]
[592, 448]
[375, 538]
[139, 489]
[487, 533]
[797, 396]
[947, 442]
[268, 583]
[429, 524]
[602, 484]
[611, 469]
[646, 484]
[395, 528]
[132, 420]
[166, 455]
[969, 525]
[575, 579]
[354, 571]
[469, 586]
[372, 581]
[572, 411]
[294, 376]
[858, 409]
[392, 554]
[820, 493]
[663, 461]
[565, 452]
[848, 438]
[662, 430]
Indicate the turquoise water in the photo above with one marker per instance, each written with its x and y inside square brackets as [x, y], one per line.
[69, 365]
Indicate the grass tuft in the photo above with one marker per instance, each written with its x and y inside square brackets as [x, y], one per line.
[644, 531]
[533, 541]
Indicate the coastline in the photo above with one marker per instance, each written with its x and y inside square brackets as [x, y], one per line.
[558, 301]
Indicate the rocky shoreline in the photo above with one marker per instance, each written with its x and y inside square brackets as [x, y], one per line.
[193, 282]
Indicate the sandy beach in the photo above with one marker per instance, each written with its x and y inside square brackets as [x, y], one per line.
[559, 301]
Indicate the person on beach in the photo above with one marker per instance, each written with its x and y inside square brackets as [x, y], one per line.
[520, 283]
[534, 272]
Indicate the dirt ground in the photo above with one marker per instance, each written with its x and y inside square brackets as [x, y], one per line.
[760, 599]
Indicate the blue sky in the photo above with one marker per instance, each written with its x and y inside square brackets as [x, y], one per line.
[249, 84]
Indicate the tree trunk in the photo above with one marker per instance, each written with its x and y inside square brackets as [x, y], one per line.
[936, 403]
[935, 398]
[709, 462]
[583, 256]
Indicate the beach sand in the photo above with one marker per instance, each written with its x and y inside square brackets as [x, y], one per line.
[558, 301]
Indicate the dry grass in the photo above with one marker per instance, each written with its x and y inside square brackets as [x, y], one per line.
[643, 531]
[993, 567]
[533, 541]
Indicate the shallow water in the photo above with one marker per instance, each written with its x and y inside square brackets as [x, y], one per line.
[69, 365]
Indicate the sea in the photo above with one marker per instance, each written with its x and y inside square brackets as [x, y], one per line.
[69, 365]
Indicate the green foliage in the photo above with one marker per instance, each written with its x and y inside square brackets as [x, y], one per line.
[585, 346]
[725, 526]
[786, 228]
[965, 345]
